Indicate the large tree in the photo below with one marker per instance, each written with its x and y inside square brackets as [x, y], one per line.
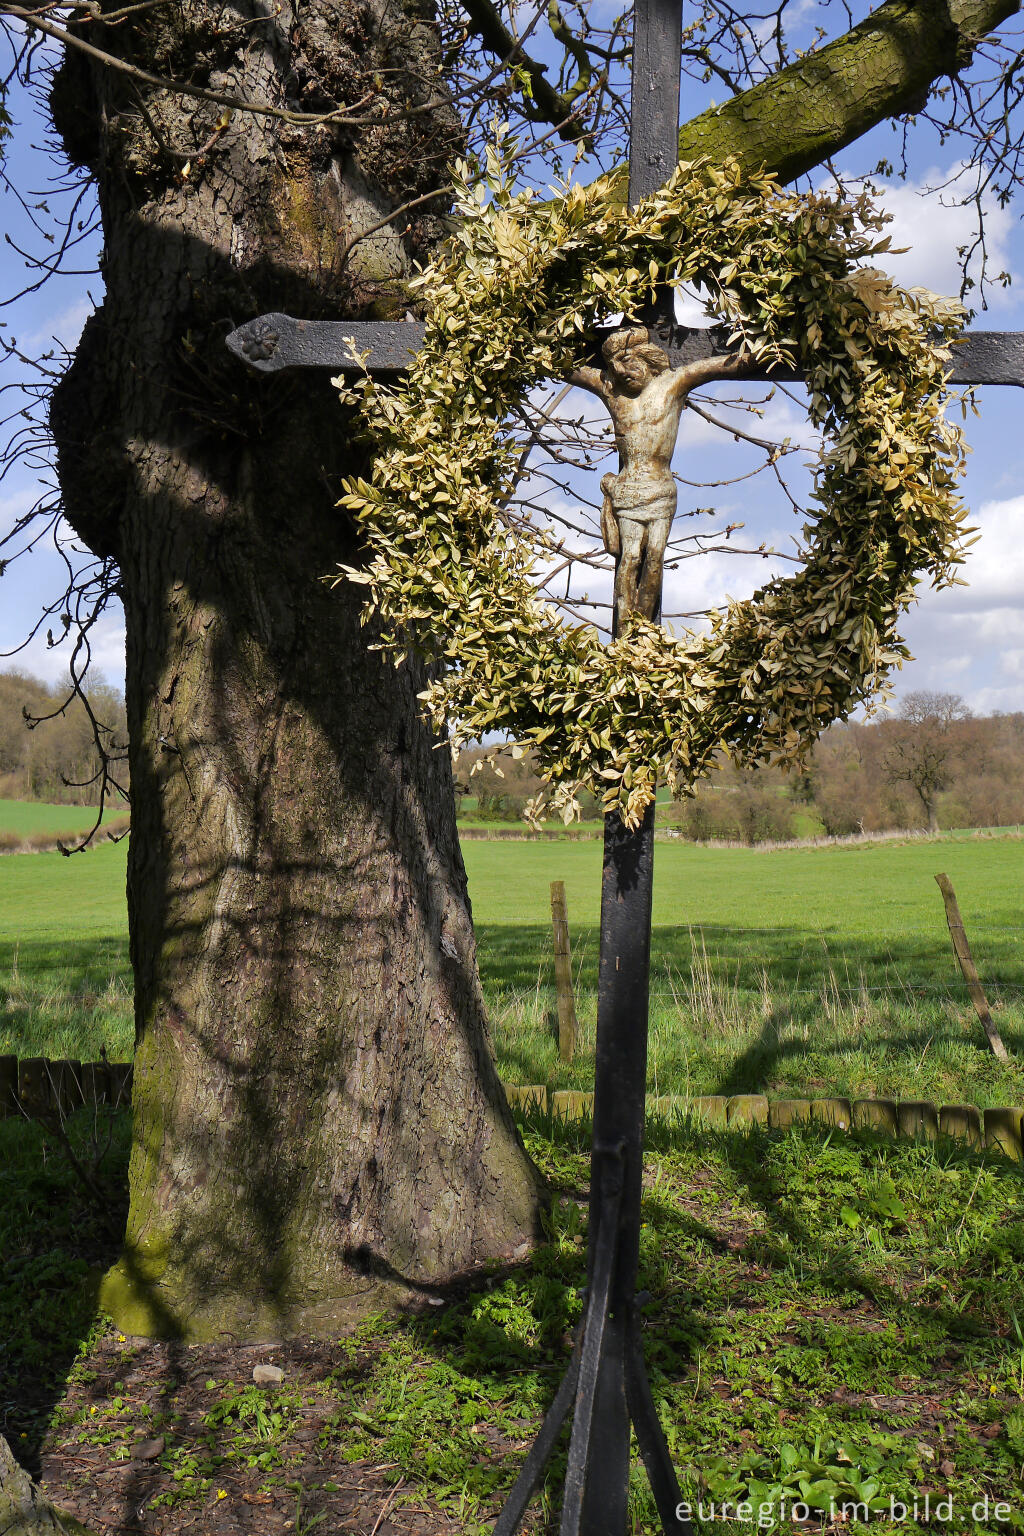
[317, 1115]
[922, 747]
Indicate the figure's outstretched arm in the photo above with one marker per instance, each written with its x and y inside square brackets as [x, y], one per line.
[705, 370]
[588, 378]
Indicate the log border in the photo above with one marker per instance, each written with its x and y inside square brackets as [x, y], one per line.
[998, 1129]
[35, 1085]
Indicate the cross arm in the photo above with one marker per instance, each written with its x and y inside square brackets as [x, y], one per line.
[274, 342]
[980, 357]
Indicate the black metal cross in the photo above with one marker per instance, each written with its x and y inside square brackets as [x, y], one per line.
[605, 1388]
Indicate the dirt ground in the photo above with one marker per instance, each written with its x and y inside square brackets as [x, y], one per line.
[111, 1490]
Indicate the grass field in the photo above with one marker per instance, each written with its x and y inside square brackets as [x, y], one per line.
[65, 982]
[796, 971]
[25, 818]
[832, 1320]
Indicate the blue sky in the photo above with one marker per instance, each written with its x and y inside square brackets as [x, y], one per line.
[969, 640]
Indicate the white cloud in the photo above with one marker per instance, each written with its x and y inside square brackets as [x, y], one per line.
[986, 701]
[993, 571]
[935, 224]
[779, 418]
[972, 638]
[64, 328]
[957, 666]
[706, 581]
[51, 662]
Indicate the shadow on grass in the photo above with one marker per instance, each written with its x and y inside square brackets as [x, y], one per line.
[773, 1011]
[500, 1345]
[55, 1246]
[66, 998]
[88, 963]
[702, 1258]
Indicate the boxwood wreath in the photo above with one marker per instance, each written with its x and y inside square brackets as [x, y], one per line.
[510, 302]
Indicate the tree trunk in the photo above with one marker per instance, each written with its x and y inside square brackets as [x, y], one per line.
[24, 1508]
[317, 1118]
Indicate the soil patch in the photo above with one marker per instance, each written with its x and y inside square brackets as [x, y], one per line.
[218, 1472]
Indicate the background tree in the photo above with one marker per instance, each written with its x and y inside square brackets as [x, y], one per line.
[922, 746]
[47, 739]
[316, 1110]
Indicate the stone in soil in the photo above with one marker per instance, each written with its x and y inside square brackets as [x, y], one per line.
[267, 1375]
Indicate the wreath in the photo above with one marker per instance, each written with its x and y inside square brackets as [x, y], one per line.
[509, 304]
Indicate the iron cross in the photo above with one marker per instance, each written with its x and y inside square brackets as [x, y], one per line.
[605, 1388]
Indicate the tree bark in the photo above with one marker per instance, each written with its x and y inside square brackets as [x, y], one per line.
[317, 1118]
[24, 1508]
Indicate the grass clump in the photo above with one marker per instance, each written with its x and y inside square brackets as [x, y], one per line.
[67, 1001]
[808, 1027]
[55, 1243]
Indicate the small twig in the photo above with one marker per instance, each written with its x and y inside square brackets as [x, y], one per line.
[414, 202]
[388, 1502]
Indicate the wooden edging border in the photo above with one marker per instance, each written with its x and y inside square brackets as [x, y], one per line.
[35, 1085]
[1000, 1129]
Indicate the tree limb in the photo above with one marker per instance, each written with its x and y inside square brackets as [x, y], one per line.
[883, 67]
[551, 105]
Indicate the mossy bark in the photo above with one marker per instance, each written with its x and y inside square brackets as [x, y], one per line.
[24, 1508]
[883, 67]
[317, 1118]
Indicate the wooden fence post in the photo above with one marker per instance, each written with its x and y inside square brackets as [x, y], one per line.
[962, 950]
[563, 972]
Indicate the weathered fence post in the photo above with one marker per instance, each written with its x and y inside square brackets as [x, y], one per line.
[962, 951]
[563, 972]
[8, 1086]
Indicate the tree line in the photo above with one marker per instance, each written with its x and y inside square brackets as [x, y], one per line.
[931, 765]
[48, 745]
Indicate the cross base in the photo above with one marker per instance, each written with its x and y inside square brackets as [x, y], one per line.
[606, 1368]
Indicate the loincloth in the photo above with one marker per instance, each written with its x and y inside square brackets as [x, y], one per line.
[639, 504]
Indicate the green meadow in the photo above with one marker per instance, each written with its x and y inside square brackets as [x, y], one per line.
[28, 818]
[832, 1320]
[804, 970]
[792, 972]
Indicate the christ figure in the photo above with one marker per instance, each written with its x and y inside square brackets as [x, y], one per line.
[644, 396]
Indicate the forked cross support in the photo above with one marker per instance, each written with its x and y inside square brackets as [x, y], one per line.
[606, 1388]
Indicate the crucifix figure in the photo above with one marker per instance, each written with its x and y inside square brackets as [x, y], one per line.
[645, 397]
